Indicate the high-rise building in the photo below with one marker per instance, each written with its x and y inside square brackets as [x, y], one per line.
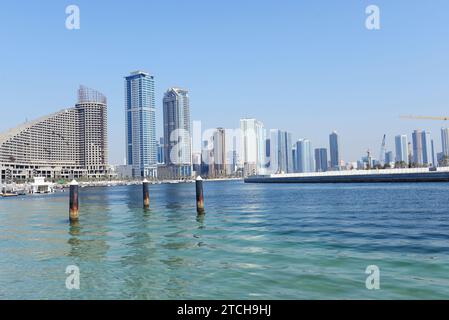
[160, 151]
[220, 153]
[177, 134]
[267, 152]
[206, 158]
[304, 156]
[321, 160]
[410, 152]
[92, 109]
[68, 144]
[253, 143]
[141, 147]
[441, 159]
[281, 153]
[334, 150]
[422, 147]
[401, 145]
[445, 141]
[417, 147]
[295, 169]
[389, 158]
[434, 163]
[426, 147]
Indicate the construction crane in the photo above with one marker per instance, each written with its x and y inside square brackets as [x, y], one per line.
[383, 151]
[425, 118]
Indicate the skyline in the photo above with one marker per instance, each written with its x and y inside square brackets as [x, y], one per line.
[319, 73]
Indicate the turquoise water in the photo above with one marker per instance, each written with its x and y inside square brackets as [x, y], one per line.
[255, 242]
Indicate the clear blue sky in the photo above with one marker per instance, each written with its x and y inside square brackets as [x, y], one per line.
[309, 67]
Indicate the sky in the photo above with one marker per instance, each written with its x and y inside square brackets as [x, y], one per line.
[308, 67]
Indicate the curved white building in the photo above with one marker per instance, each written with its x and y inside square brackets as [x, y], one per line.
[71, 143]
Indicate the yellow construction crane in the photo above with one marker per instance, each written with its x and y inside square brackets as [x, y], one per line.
[425, 118]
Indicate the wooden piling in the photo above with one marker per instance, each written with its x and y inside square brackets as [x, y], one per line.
[73, 205]
[199, 195]
[146, 194]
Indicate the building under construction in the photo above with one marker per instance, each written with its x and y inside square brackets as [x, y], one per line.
[68, 144]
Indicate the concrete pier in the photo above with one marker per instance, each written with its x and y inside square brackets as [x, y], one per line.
[358, 176]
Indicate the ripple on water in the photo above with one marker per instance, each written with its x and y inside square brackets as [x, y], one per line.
[255, 242]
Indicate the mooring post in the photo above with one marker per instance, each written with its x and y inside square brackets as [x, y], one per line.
[73, 206]
[146, 194]
[199, 195]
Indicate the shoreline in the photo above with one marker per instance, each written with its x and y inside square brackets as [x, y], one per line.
[117, 183]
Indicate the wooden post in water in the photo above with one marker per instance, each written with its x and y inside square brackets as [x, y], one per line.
[199, 195]
[146, 194]
[73, 208]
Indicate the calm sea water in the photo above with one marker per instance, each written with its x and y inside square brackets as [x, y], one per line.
[255, 242]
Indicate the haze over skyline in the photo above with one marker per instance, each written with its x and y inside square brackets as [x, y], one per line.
[308, 67]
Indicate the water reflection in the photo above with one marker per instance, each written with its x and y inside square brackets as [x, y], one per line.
[174, 196]
[89, 236]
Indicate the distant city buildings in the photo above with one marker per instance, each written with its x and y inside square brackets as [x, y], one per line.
[253, 144]
[177, 135]
[160, 151]
[141, 148]
[321, 164]
[334, 150]
[73, 144]
[220, 163]
[417, 147]
[434, 162]
[304, 156]
[68, 144]
[389, 157]
[401, 145]
[445, 141]
[422, 148]
[281, 153]
[427, 148]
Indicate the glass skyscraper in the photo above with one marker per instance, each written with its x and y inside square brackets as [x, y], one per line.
[141, 147]
[281, 153]
[252, 144]
[445, 141]
[417, 147]
[334, 150]
[426, 147]
[160, 151]
[422, 148]
[304, 156]
[177, 133]
[401, 145]
[321, 160]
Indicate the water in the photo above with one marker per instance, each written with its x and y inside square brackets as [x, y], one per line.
[255, 242]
